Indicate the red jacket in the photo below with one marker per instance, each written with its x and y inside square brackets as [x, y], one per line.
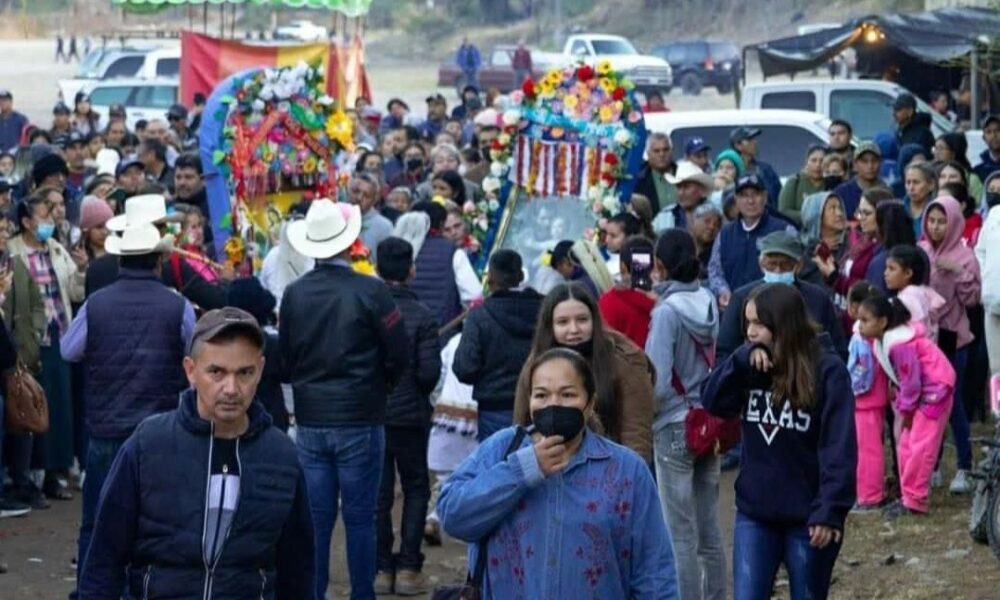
[627, 311]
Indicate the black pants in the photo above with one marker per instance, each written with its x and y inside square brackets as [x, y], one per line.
[405, 452]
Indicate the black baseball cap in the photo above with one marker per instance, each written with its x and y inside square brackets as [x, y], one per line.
[5, 185]
[904, 101]
[128, 163]
[215, 322]
[75, 137]
[436, 98]
[989, 119]
[61, 109]
[116, 110]
[743, 133]
[405, 106]
[177, 111]
[749, 181]
[6, 95]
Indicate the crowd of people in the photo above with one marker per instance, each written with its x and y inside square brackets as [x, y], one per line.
[568, 419]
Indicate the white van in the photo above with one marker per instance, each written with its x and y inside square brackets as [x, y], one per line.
[123, 64]
[142, 98]
[785, 134]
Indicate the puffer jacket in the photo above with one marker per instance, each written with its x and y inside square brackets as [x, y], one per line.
[496, 342]
[988, 256]
[343, 346]
[152, 517]
[409, 404]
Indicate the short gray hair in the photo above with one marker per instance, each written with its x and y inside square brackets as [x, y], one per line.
[446, 149]
[658, 136]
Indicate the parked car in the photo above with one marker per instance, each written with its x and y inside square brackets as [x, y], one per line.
[496, 70]
[648, 73]
[785, 133]
[305, 31]
[865, 104]
[699, 64]
[143, 98]
[120, 64]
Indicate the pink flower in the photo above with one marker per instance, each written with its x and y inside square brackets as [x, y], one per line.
[469, 208]
[588, 233]
[634, 116]
[596, 207]
[603, 224]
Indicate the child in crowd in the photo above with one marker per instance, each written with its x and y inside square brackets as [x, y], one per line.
[618, 228]
[627, 307]
[193, 243]
[906, 274]
[924, 384]
[871, 398]
[954, 274]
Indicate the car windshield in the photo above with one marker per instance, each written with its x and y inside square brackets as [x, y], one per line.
[88, 68]
[613, 47]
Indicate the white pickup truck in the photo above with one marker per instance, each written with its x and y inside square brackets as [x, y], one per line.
[648, 73]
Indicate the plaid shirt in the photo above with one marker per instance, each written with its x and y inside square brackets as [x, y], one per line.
[42, 271]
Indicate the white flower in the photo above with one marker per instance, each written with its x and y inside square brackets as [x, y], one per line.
[258, 105]
[497, 169]
[512, 117]
[325, 100]
[623, 137]
[491, 184]
[610, 203]
[494, 205]
[594, 193]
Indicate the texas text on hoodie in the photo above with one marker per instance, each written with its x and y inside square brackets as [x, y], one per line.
[797, 466]
[681, 343]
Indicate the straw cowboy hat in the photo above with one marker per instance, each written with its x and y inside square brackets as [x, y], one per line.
[688, 172]
[148, 209]
[328, 229]
[137, 240]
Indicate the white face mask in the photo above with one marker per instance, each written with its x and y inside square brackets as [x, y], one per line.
[462, 169]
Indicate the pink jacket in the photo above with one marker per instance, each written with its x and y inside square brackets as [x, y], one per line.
[925, 306]
[961, 289]
[921, 373]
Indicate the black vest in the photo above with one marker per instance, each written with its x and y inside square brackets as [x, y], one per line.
[434, 283]
[134, 353]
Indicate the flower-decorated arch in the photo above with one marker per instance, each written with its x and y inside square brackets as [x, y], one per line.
[576, 133]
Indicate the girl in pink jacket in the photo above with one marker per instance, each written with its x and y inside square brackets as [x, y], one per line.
[956, 277]
[907, 271]
[924, 384]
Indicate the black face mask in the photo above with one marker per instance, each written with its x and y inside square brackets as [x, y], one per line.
[414, 164]
[992, 199]
[584, 348]
[830, 182]
[558, 420]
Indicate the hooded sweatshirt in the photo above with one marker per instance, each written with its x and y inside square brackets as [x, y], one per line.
[919, 371]
[681, 346]
[812, 235]
[283, 265]
[962, 289]
[628, 312]
[917, 131]
[988, 257]
[906, 154]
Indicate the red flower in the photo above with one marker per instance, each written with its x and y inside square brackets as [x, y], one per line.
[609, 178]
[528, 87]
[611, 159]
[585, 73]
[496, 145]
[618, 94]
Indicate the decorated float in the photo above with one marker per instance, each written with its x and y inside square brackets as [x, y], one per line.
[271, 138]
[565, 161]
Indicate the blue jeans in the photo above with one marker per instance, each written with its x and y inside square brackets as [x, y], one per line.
[760, 548]
[344, 463]
[492, 421]
[960, 430]
[100, 454]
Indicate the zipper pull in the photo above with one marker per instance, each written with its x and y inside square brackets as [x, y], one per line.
[225, 469]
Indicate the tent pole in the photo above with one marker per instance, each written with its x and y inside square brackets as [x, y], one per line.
[974, 80]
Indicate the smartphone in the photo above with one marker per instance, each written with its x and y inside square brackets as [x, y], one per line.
[823, 251]
[642, 271]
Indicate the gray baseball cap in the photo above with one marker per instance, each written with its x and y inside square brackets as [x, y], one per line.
[215, 322]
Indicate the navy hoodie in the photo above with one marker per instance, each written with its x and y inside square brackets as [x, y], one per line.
[797, 467]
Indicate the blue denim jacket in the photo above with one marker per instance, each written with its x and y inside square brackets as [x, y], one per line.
[595, 530]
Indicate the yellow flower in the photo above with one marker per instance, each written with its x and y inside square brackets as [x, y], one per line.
[554, 75]
[604, 67]
[571, 102]
[340, 129]
[310, 165]
[545, 88]
[607, 114]
[363, 266]
[607, 85]
[438, 200]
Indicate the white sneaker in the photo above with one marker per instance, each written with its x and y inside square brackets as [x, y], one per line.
[936, 479]
[960, 484]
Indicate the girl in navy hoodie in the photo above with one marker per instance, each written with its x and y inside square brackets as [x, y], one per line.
[797, 477]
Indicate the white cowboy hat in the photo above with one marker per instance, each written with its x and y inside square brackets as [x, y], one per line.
[138, 239]
[140, 210]
[107, 161]
[690, 172]
[328, 229]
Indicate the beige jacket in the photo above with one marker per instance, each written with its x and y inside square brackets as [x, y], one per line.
[71, 279]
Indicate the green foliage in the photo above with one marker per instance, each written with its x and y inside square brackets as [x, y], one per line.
[429, 25]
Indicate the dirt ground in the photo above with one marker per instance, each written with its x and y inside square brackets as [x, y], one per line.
[914, 558]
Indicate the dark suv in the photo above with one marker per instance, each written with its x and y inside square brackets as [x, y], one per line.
[698, 64]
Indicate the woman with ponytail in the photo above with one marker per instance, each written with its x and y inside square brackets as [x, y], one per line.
[569, 318]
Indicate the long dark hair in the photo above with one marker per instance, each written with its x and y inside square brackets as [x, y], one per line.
[796, 349]
[575, 359]
[891, 309]
[453, 180]
[959, 146]
[895, 227]
[602, 361]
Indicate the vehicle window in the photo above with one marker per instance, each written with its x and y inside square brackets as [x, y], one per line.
[579, 47]
[694, 53]
[672, 53]
[168, 67]
[106, 96]
[501, 58]
[723, 51]
[868, 112]
[126, 66]
[782, 146]
[156, 96]
[612, 47]
[789, 100]
[88, 68]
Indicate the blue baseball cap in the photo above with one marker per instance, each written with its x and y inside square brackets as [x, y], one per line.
[694, 145]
